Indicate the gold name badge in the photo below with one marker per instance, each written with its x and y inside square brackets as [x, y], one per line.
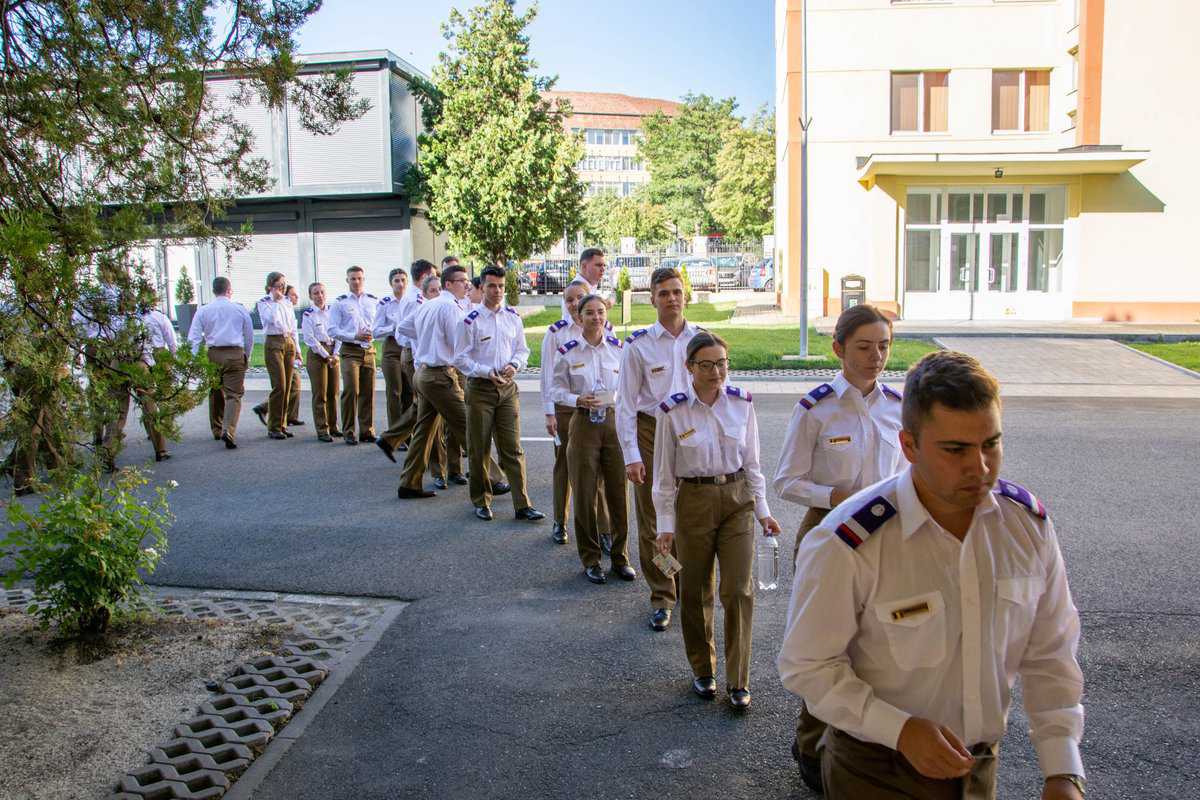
[577, 366]
[686, 434]
[485, 338]
[656, 370]
[839, 440]
[911, 611]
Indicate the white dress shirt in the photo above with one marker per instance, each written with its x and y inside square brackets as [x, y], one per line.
[222, 323]
[387, 315]
[278, 318]
[913, 622]
[314, 329]
[490, 341]
[695, 440]
[558, 334]
[652, 370]
[162, 333]
[351, 315]
[101, 317]
[578, 366]
[845, 441]
[437, 324]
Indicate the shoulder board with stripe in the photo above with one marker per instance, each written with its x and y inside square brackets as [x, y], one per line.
[268, 297]
[890, 392]
[607, 325]
[309, 310]
[571, 345]
[342, 296]
[511, 310]
[373, 297]
[420, 299]
[672, 401]
[816, 395]
[1021, 496]
[614, 341]
[558, 326]
[386, 300]
[469, 319]
[639, 332]
[869, 518]
[734, 391]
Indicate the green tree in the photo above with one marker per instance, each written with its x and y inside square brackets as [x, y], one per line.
[109, 137]
[607, 218]
[185, 292]
[681, 154]
[498, 168]
[743, 199]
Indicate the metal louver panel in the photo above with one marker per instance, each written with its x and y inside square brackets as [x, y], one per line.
[353, 155]
[247, 268]
[377, 244]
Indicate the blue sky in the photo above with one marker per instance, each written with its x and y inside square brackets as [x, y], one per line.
[650, 48]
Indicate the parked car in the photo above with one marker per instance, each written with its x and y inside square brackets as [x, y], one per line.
[762, 275]
[639, 271]
[553, 275]
[731, 271]
[702, 273]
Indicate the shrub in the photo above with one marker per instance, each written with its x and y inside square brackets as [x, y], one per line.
[185, 293]
[512, 285]
[623, 282]
[687, 285]
[83, 546]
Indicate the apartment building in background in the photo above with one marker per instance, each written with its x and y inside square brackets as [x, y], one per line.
[611, 126]
[990, 159]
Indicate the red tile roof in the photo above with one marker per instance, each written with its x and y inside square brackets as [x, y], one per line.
[606, 104]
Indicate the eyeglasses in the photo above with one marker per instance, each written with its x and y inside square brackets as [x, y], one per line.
[710, 366]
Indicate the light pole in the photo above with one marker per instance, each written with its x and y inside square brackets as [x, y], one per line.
[805, 122]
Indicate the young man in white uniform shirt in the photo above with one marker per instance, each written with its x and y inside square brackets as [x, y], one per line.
[228, 331]
[351, 322]
[919, 600]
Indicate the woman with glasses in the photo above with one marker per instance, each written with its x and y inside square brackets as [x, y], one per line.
[708, 491]
[280, 350]
[842, 437]
[585, 378]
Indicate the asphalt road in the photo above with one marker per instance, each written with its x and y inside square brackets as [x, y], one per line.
[510, 675]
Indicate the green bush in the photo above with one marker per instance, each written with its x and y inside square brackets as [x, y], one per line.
[83, 546]
[687, 285]
[623, 282]
[185, 293]
[512, 286]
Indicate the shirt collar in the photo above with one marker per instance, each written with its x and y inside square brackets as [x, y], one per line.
[840, 385]
[913, 513]
[658, 331]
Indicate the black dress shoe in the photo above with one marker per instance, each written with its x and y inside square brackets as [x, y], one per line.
[405, 493]
[484, 513]
[387, 451]
[350, 439]
[335, 432]
[403, 448]
[230, 444]
[295, 422]
[624, 572]
[560, 533]
[261, 413]
[368, 438]
[276, 435]
[216, 437]
[606, 543]
[810, 770]
[439, 483]
[705, 687]
[324, 437]
[21, 491]
[500, 487]
[739, 699]
[459, 479]
[289, 435]
[163, 456]
[660, 620]
[530, 514]
[596, 575]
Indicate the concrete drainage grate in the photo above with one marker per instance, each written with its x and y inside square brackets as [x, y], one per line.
[211, 750]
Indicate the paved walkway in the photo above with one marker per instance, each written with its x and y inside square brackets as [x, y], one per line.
[1077, 362]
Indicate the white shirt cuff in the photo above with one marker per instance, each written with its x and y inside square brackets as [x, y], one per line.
[825, 496]
[1059, 756]
[761, 510]
[883, 723]
[666, 521]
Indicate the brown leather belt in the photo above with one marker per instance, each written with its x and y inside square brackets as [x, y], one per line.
[717, 480]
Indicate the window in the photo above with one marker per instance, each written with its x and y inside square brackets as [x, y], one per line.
[920, 102]
[923, 242]
[1020, 100]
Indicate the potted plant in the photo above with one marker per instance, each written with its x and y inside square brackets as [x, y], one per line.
[185, 305]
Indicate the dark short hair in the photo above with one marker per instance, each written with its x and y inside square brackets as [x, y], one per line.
[476, 281]
[493, 270]
[420, 268]
[854, 318]
[583, 301]
[948, 378]
[661, 275]
[452, 270]
[314, 285]
[589, 254]
[220, 285]
[397, 271]
[272, 277]
[702, 340]
[446, 261]
[355, 268]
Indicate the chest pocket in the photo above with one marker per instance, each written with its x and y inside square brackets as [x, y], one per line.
[916, 629]
[840, 450]
[1016, 605]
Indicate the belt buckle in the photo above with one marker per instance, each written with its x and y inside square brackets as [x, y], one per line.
[720, 480]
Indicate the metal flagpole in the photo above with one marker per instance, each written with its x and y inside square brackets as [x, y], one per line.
[804, 123]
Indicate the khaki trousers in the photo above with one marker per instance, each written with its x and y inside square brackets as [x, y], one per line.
[716, 524]
[400, 431]
[439, 397]
[809, 729]
[323, 382]
[280, 355]
[23, 459]
[114, 429]
[398, 386]
[225, 401]
[494, 414]
[562, 481]
[293, 410]
[594, 458]
[358, 389]
[856, 770]
[663, 590]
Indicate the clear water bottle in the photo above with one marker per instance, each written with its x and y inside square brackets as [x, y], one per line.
[767, 563]
[598, 415]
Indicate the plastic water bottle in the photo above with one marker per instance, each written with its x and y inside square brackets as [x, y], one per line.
[767, 566]
[598, 415]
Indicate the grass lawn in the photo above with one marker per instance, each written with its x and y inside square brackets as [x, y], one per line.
[1185, 354]
[642, 315]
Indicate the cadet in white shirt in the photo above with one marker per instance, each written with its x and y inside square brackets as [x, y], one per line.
[652, 368]
[400, 314]
[586, 373]
[351, 321]
[491, 350]
[558, 417]
[919, 601]
[228, 331]
[842, 436]
[322, 363]
[397, 382]
[708, 491]
[162, 334]
[280, 351]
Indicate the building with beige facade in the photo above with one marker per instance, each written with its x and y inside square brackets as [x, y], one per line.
[990, 159]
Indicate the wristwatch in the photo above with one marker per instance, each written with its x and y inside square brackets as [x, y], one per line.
[1078, 780]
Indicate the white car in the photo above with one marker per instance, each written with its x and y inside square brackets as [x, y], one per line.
[702, 273]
